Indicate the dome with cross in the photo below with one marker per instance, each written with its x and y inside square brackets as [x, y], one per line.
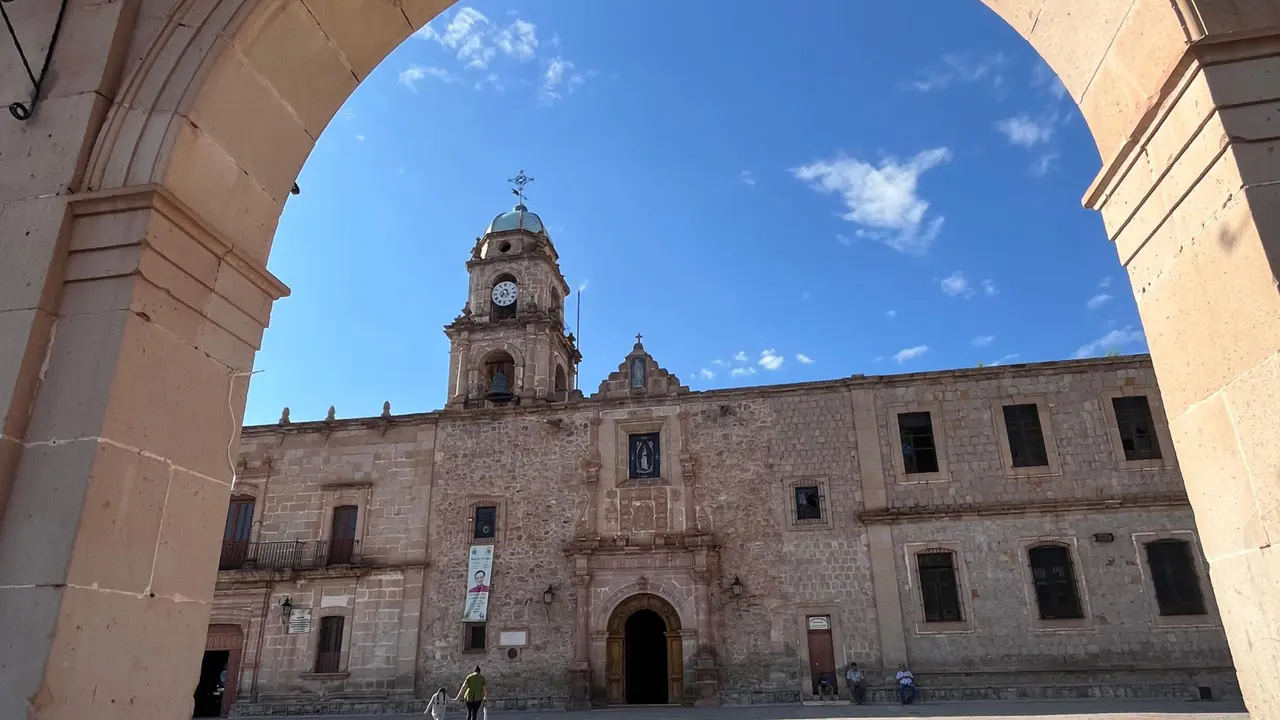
[519, 218]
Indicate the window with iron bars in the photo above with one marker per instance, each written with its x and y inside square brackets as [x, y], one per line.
[1173, 572]
[809, 505]
[1137, 428]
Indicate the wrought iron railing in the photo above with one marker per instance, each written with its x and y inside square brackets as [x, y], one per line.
[288, 554]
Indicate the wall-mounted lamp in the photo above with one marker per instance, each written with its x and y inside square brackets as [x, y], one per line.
[286, 609]
[736, 587]
[549, 595]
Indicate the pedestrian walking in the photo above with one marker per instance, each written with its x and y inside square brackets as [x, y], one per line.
[473, 692]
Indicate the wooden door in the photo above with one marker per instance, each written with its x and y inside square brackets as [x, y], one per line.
[342, 536]
[614, 675]
[235, 536]
[675, 668]
[822, 659]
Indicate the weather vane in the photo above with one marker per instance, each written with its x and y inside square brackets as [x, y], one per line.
[520, 181]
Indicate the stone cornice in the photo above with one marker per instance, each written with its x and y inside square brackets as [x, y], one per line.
[158, 198]
[922, 513]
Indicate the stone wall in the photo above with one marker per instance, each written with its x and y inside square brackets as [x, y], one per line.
[568, 519]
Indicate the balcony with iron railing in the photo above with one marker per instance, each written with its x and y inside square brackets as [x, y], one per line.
[289, 555]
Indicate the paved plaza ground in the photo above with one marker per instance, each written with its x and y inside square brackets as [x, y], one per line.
[1008, 710]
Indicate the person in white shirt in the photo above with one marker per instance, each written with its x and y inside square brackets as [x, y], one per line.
[906, 685]
[857, 691]
[436, 705]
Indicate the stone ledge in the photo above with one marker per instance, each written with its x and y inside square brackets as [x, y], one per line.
[906, 513]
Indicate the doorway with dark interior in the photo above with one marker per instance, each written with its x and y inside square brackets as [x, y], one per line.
[213, 684]
[646, 661]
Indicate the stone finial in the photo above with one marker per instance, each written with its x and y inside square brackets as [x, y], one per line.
[284, 416]
[332, 415]
[386, 409]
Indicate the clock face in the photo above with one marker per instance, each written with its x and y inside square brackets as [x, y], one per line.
[504, 293]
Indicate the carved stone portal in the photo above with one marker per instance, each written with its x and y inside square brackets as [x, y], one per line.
[616, 647]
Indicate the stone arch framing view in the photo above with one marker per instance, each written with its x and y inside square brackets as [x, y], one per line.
[138, 209]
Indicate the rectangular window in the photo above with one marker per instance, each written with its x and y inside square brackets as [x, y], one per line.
[1055, 582]
[1137, 429]
[235, 536]
[1173, 572]
[1026, 437]
[473, 637]
[808, 504]
[938, 587]
[919, 451]
[329, 651]
[485, 523]
[342, 536]
[644, 454]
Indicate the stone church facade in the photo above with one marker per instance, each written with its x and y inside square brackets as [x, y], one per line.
[1017, 531]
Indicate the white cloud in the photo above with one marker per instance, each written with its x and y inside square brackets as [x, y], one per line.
[359, 138]
[891, 314]
[959, 69]
[519, 40]
[844, 240]
[989, 287]
[804, 359]
[1044, 78]
[742, 371]
[1105, 282]
[1043, 164]
[882, 199]
[982, 340]
[1114, 340]
[770, 360]
[1022, 131]
[706, 374]
[492, 80]
[956, 284]
[582, 287]
[910, 353]
[721, 363]
[560, 79]
[1098, 301]
[741, 356]
[414, 73]
[466, 33]
[1004, 360]
[746, 177]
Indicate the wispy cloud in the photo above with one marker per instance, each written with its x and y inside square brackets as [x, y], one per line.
[466, 33]
[989, 287]
[844, 240]
[956, 284]
[706, 374]
[1043, 165]
[770, 360]
[359, 138]
[519, 40]
[746, 177]
[582, 286]
[804, 359]
[910, 353]
[1025, 132]
[1105, 282]
[1005, 360]
[891, 314]
[1116, 340]
[1043, 78]
[411, 76]
[742, 371]
[741, 356]
[982, 340]
[882, 199]
[719, 363]
[1098, 301]
[560, 79]
[963, 69]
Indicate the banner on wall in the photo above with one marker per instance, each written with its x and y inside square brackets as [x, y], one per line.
[479, 578]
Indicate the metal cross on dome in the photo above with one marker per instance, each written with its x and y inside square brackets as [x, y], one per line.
[520, 181]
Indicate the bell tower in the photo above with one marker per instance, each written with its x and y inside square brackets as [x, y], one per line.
[509, 346]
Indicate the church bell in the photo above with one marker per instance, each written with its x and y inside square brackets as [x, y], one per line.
[499, 389]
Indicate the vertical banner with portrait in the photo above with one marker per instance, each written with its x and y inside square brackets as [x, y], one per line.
[479, 572]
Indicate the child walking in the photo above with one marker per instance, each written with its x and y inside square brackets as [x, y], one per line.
[435, 706]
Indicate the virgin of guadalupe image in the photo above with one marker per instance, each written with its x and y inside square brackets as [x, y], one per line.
[644, 458]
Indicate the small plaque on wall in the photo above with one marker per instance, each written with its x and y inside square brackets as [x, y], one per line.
[513, 638]
[299, 621]
[820, 623]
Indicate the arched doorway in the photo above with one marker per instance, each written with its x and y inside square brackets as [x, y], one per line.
[219, 672]
[645, 653]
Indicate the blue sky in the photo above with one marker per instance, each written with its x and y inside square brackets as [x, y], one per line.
[770, 192]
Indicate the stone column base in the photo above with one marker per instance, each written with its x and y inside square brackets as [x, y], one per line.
[706, 681]
[580, 686]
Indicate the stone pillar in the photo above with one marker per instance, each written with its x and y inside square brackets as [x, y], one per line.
[111, 531]
[461, 380]
[884, 572]
[706, 672]
[580, 672]
[1192, 204]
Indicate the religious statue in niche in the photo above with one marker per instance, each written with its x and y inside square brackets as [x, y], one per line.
[644, 461]
[637, 373]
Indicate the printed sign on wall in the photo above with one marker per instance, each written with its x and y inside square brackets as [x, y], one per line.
[479, 573]
[299, 621]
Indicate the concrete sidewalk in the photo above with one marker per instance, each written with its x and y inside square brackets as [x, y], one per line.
[978, 710]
